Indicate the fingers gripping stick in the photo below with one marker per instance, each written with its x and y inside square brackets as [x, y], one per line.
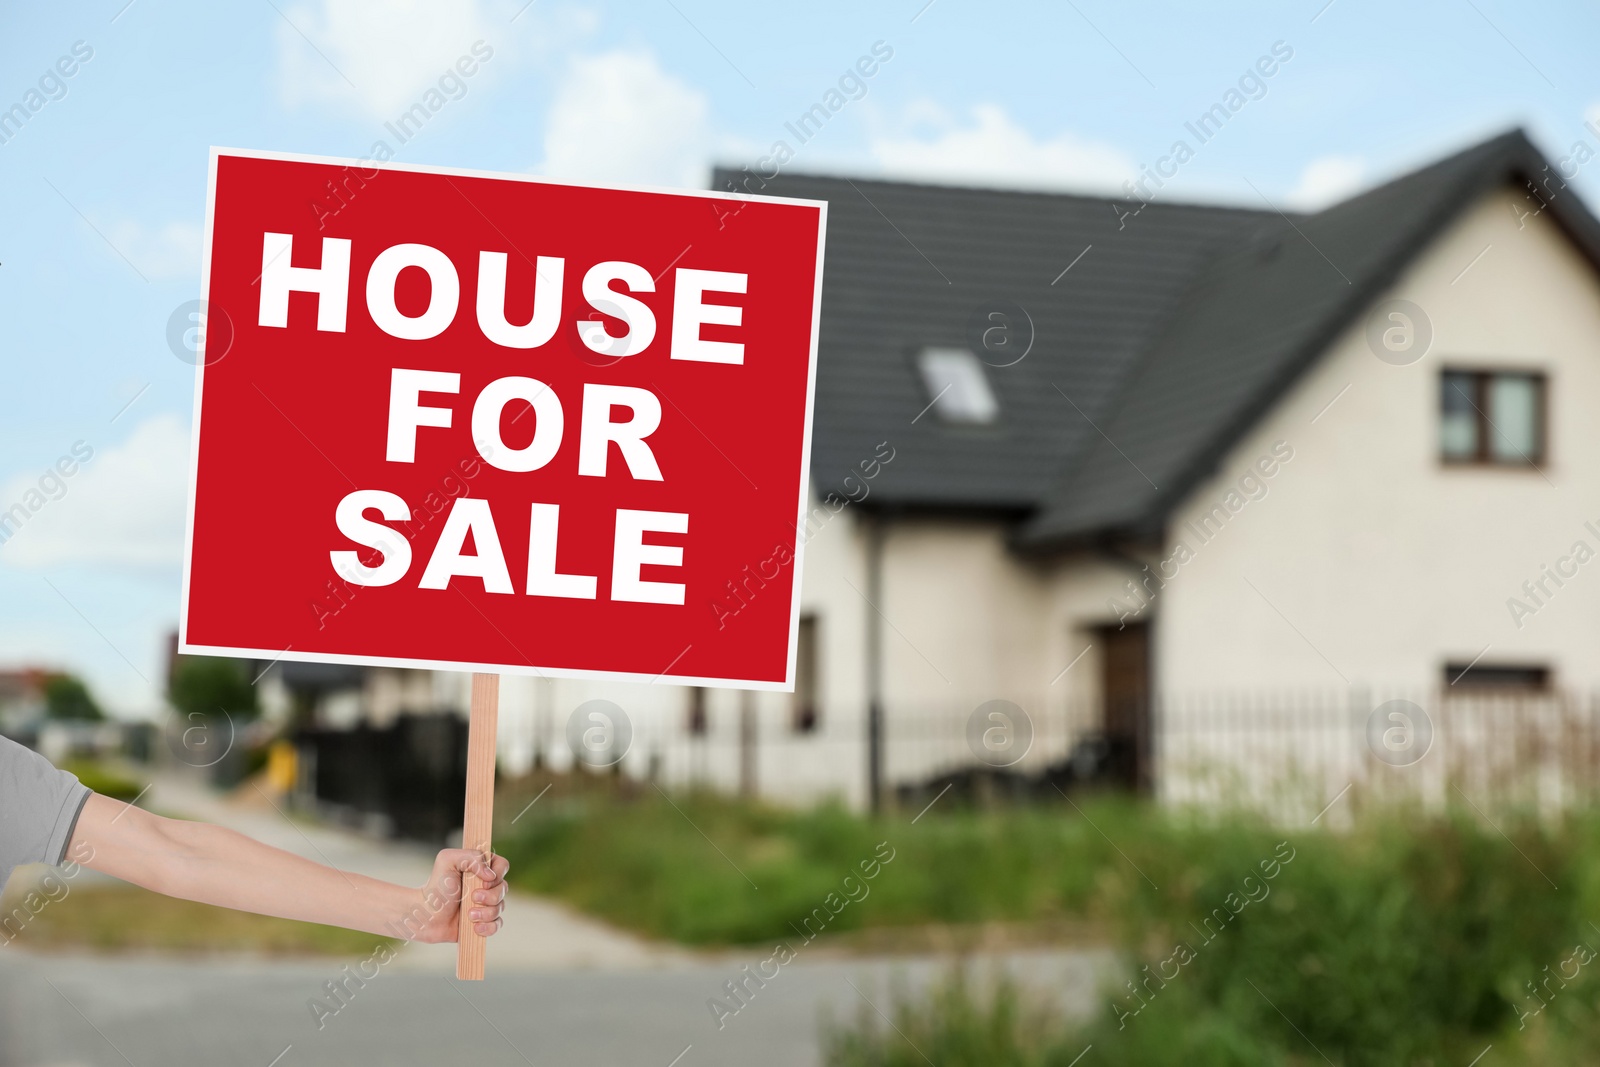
[478, 820]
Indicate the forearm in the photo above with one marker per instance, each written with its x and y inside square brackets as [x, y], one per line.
[213, 865]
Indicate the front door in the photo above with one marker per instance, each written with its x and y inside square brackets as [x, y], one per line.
[1125, 684]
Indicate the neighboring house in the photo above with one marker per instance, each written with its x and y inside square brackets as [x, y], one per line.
[22, 703]
[1142, 470]
[25, 717]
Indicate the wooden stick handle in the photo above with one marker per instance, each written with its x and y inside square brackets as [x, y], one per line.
[477, 827]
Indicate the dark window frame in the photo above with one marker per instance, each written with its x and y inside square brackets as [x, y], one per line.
[697, 722]
[1497, 677]
[1484, 455]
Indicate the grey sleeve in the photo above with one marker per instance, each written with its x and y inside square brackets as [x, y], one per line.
[39, 807]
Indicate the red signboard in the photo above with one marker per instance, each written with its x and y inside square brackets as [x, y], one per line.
[490, 422]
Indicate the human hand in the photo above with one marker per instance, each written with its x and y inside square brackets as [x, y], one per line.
[442, 894]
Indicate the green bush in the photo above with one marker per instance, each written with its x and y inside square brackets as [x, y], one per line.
[1407, 941]
[1382, 946]
[107, 783]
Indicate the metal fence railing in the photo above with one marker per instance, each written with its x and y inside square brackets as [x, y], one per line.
[1296, 756]
[1286, 753]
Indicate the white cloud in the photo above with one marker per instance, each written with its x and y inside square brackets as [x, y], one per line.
[618, 117]
[990, 148]
[124, 506]
[381, 55]
[171, 252]
[1325, 181]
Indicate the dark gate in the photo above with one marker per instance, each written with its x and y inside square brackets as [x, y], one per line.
[413, 773]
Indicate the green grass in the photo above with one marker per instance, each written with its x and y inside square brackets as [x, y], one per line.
[705, 870]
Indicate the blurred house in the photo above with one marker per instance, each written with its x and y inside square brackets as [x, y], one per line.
[22, 703]
[25, 717]
[1132, 467]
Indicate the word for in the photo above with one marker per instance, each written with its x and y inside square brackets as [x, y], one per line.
[1566, 567]
[52, 86]
[330, 282]
[354, 178]
[52, 889]
[739, 991]
[52, 485]
[750, 582]
[1251, 86]
[1580, 957]
[852, 86]
[1251, 486]
[1183, 953]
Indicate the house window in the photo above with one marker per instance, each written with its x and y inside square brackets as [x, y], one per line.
[1497, 677]
[958, 389]
[1492, 417]
[697, 713]
[803, 715]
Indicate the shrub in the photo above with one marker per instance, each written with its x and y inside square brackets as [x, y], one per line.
[1382, 946]
[106, 782]
[1404, 942]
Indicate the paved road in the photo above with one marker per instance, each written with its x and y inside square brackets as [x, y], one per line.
[562, 989]
[83, 1011]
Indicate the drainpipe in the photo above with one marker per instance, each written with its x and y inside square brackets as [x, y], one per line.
[874, 524]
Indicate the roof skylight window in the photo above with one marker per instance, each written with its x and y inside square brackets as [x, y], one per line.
[958, 388]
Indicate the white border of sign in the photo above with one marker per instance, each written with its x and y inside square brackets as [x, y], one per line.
[786, 686]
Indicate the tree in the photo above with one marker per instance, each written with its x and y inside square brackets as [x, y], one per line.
[212, 685]
[67, 698]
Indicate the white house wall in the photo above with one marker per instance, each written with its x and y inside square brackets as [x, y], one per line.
[1368, 562]
[968, 621]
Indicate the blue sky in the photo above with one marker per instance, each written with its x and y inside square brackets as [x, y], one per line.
[104, 184]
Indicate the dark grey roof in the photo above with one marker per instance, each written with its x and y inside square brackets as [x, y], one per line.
[1171, 335]
[1256, 317]
[908, 265]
